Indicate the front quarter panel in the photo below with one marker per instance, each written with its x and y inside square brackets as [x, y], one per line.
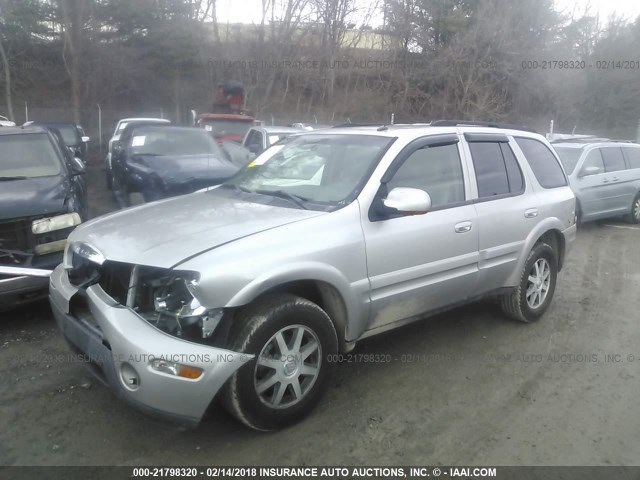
[327, 248]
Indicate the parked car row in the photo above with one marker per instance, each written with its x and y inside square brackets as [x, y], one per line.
[147, 161]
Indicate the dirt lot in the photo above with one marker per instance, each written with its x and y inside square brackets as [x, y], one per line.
[466, 387]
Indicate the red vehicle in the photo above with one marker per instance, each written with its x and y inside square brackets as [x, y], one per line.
[229, 121]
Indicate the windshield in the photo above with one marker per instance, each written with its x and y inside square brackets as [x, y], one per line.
[159, 141]
[323, 169]
[69, 134]
[226, 127]
[28, 155]
[569, 157]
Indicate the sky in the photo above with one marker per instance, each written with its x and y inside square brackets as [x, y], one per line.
[248, 11]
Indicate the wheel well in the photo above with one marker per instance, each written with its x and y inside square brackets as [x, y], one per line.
[325, 296]
[555, 240]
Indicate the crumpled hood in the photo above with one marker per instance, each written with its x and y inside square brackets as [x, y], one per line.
[177, 169]
[165, 233]
[32, 196]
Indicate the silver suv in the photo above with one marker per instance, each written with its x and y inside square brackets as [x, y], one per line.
[605, 177]
[250, 290]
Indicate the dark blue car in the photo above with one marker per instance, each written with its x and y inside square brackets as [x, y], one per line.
[150, 162]
[42, 198]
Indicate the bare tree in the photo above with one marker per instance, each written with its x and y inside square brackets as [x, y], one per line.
[7, 80]
[73, 19]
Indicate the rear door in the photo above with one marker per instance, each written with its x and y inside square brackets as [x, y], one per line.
[505, 213]
[618, 179]
[601, 195]
[632, 155]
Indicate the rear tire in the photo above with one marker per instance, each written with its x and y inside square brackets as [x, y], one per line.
[532, 297]
[293, 341]
[634, 214]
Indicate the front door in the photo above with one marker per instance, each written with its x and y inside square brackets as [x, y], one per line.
[420, 263]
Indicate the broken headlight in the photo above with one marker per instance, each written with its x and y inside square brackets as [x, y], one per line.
[167, 300]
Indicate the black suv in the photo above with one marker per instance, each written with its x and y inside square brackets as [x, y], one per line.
[42, 198]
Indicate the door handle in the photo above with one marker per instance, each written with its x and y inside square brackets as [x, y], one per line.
[614, 179]
[463, 227]
[531, 213]
[605, 180]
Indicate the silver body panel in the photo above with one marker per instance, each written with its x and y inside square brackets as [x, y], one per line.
[606, 194]
[386, 272]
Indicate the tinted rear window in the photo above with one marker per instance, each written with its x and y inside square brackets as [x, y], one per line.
[497, 170]
[613, 159]
[545, 167]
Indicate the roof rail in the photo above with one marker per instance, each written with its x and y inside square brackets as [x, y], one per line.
[591, 140]
[473, 123]
[350, 125]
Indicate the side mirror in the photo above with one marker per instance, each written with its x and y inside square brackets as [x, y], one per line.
[588, 171]
[408, 201]
[86, 139]
[78, 167]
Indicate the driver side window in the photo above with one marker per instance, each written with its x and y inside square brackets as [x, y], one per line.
[437, 171]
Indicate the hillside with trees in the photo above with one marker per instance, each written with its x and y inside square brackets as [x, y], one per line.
[518, 61]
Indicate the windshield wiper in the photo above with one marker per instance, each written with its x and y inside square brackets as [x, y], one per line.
[282, 194]
[17, 177]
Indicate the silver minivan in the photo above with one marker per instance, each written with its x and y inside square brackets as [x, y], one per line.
[605, 178]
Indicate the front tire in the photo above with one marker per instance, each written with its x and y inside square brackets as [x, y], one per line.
[293, 340]
[532, 297]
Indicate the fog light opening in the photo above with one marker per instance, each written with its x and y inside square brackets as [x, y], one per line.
[129, 376]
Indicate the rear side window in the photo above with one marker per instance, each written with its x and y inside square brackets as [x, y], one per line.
[497, 171]
[633, 156]
[544, 164]
[613, 159]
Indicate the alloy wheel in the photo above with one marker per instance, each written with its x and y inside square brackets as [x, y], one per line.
[539, 283]
[288, 366]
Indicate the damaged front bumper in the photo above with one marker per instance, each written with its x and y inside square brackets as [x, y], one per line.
[21, 285]
[121, 350]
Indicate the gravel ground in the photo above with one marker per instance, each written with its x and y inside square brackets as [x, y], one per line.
[465, 387]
